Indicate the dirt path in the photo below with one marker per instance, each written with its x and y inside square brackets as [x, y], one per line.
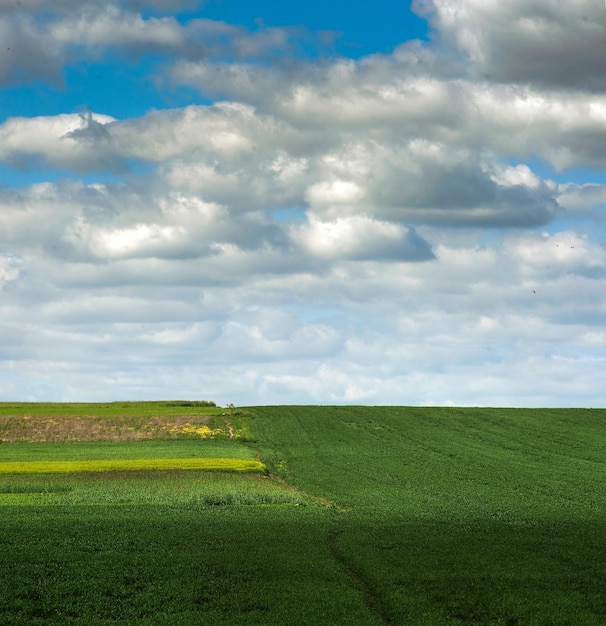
[372, 600]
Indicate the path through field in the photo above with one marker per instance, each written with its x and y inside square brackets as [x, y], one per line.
[456, 516]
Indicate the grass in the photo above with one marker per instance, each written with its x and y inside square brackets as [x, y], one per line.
[458, 516]
[170, 565]
[135, 449]
[189, 489]
[364, 515]
[111, 409]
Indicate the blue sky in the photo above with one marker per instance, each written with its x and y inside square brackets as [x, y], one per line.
[378, 203]
[121, 84]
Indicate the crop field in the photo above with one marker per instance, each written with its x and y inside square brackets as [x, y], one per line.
[346, 515]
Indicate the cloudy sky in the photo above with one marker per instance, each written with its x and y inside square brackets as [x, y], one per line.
[275, 202]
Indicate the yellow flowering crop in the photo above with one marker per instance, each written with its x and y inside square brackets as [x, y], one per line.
[62, 467]
[201, 431]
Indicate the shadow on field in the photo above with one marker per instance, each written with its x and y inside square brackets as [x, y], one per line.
[293, 565]
[428, 572]
[223, 565]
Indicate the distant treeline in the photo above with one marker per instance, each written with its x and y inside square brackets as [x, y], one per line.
[193, 403]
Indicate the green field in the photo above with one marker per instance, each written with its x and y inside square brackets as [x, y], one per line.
[362, 515]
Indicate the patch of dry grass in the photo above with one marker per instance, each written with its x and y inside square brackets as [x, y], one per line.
[62, 428]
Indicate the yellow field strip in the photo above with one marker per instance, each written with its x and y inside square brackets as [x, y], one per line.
[107, 465]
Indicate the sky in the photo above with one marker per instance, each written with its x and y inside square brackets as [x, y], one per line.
[380, 203]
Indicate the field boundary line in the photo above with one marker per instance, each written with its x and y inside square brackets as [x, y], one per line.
[304, 494]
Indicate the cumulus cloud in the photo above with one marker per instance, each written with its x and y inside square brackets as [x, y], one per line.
[70, 141]
[362, 238]
[59, 6]
[96, 28]
[565, 253]
[38, 40]
[382, 100]
[583, 198]
[542, 42]
[234, 155]
[355, 334]
[24, 56]
[9, 269]
[216, 79]
[184, 228]
[340, 231]
[428, 182]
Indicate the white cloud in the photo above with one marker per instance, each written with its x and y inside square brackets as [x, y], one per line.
[361, 237]
[465, 327]
[240, 81]
[25, 56]
[584, 198]
[350, 101]
[546, 42]
[429, 263]
[57, 141]
[334, 192]
[183, 229]
[288, 169]
[40, 38]
[60, 6]
[96, 28]
[566, 252]
[9, 270]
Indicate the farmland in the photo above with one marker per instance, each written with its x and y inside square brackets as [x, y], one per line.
[354, 515]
